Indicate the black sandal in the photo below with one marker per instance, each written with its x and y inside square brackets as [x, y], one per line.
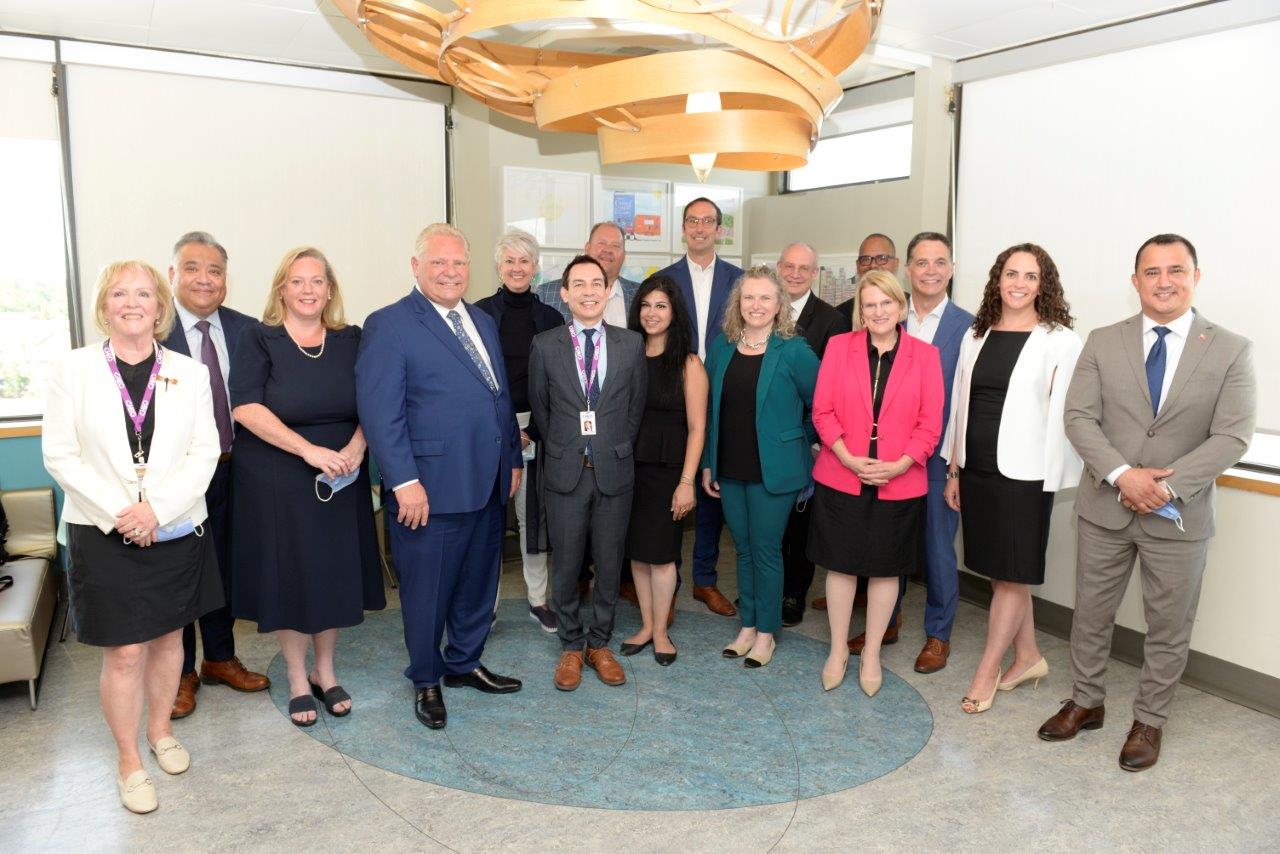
[300, 705]
[331, 698]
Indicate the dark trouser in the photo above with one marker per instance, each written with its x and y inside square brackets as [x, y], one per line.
[448, 579]
[570, 515]
[797, 569]
[215, 627]
[708, 519]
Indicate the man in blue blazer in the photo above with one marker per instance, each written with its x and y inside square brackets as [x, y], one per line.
[607, 244]
[705, 281]
[934, 318]
[432, 393]
[209, 332]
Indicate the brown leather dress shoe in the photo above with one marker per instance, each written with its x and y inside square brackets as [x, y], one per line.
[1069, 720]
[627, 591]
[185, 703]
[890, 637]
[934, 655]
[606, 666]
[714, 600]
[819, 604]
[233, 674]
[1142, 747]
[569, 670]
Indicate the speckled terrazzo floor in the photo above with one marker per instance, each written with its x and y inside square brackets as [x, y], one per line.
[702, 734]
[259, 784]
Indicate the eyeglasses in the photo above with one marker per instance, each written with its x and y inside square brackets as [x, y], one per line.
[691, 221]
[867, 260]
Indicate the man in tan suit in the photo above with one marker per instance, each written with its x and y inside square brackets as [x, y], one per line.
[1160, 404]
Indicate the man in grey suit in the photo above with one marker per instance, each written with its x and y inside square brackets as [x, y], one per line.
[587, 385]
[1159, 406]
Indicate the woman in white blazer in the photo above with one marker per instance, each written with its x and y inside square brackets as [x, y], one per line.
[1008, 452]
[129, 435]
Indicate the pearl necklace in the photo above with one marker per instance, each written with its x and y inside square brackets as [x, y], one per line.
[323, 335]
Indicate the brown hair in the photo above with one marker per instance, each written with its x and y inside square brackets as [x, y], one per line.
[331, 318]
[1051, 302]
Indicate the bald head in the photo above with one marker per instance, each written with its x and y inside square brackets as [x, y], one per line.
[798, 267]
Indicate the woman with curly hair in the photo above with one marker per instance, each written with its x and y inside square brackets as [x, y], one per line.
[1008, 452]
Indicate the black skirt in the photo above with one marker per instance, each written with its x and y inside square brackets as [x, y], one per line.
[123, 594]
[1006, 526]
[653, 536]
[863, 534]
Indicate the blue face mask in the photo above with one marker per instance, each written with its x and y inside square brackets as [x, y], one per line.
[178, 530]
[1170, 512]
[335, 484]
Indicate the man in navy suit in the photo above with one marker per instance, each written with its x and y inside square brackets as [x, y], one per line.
[705, 281]
[209, 332]
[436, 409]
[934, 318]
[607, 244]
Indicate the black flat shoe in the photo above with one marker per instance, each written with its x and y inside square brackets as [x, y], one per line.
[666, 659]
[301, 704]
[428, 705]
[482, 680]
[335, 695]
[634, 648]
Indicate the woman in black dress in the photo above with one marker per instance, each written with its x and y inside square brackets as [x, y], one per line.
[667, 452]
[129, 436]
[878, 410]
[1008, 452]
[520, 315]
[305, 558]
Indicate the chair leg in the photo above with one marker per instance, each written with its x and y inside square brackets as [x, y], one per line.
[386, 570]
[31, 688]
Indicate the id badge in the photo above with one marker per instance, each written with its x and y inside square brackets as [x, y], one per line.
[587, 421]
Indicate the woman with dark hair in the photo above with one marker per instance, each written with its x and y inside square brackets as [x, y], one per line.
[1008, 452]
[667, 452]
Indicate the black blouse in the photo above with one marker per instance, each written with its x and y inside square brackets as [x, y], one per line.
[135, 381]
[739, 456]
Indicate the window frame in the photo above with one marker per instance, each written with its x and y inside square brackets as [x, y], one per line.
[786, 188]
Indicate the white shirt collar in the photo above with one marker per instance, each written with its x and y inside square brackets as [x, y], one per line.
[798, 304]
[694, 265]
[1180, 327]
[189, 320]
[578, 326]
[937, 309]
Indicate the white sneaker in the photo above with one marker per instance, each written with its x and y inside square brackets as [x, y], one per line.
[138, 793]
[171, 756]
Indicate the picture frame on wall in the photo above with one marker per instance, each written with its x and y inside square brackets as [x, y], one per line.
[639, 206]
[639, 267]
[728, 199]
[551, 205]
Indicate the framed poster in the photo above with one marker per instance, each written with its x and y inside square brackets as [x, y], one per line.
[640, 208]
[554, 207]
[835, 277]
[639, 267]
[728, 199]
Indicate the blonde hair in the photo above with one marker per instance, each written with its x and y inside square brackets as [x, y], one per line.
[439, 229]
[331, 317]
[886, 282]
[111, 274]
[784, 326]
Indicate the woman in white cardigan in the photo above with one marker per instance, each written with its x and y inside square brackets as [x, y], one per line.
[129, 435]
[1009, 454]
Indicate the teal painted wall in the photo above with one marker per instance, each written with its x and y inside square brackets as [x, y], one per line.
[21, 466]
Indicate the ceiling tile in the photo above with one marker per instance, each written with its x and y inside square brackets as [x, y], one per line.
[942, 46]
[932, 17]
[323, 33]
[130, 12]
[1117, 10]
[79, 28]
[891, 35]
[228, 26]
[1021, 26]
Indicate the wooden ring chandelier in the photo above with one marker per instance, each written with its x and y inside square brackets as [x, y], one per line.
[774, 89]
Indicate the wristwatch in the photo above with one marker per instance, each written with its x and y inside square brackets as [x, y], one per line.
[952, 475]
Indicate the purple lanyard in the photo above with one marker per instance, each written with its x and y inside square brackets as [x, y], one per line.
[137, 416]
[585, 377]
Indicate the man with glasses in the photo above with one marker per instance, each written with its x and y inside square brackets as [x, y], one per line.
[705, 281]
[877, 252]
[817, 321]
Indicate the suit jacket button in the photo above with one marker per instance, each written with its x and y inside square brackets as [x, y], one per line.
[1150, 433]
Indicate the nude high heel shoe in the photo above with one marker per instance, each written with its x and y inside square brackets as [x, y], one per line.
[1035, 672]
[831, 681]
[970, 706]
[870, 687]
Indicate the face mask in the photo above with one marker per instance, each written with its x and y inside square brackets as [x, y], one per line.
[177, 531]
[335, 484]
[529, 452]
[1168, 511]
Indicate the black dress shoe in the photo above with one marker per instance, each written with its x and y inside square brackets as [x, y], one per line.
[429, 707]
[633, 648]
[666, 659]
[482, 680]
[792, 611]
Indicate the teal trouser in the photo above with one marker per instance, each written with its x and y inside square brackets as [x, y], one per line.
[757, 519]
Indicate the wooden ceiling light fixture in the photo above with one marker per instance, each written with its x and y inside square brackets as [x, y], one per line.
[743, 92]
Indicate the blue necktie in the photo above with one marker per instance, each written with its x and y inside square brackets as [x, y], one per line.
[470, 347]
[593, 390]
[1155, 368]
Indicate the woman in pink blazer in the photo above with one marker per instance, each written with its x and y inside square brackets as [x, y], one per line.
[878, 410]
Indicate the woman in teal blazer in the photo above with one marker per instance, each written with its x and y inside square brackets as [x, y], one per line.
[757, 456]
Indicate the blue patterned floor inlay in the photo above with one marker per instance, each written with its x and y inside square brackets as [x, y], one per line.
[702, 734]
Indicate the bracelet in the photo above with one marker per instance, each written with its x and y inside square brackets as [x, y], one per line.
[953, 475]
[687, 480]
